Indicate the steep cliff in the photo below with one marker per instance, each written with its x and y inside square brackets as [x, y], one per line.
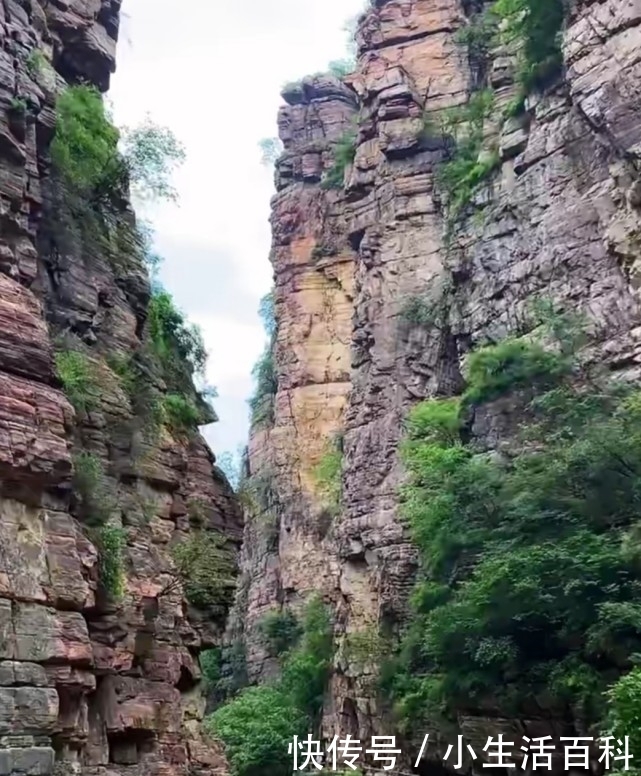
[487, 170]
[99, 647]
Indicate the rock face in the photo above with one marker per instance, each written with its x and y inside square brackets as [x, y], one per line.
[558, 216]
[313, 300]
[87, 686]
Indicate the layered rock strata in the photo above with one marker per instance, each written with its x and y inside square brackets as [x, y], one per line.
[558, 217]
[86, 686]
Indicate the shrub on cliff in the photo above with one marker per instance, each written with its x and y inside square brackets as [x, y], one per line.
[257, 726]
[77, 375]
[179, 350]
[280, 631]
[264, 372]
[111, 544]
[86, 208]
[206, 568]
[328, 475]
[624, 715]
[529, 576]
[344, 153]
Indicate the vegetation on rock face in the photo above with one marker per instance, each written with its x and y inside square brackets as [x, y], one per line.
[256, 729]
[623, 718]
[530, 578]
[328, 475]
[90, 484]
[77, 375]
[257, 726]
[264, 373]
[111, 544]
[469, 164]
[179, 350]
[271, 149]
[344, 153]
[206, 568]
[281, 631]
[536, 26]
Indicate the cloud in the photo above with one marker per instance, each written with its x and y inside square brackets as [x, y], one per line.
[212, 72]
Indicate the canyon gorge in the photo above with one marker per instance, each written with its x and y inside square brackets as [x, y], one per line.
[479, 159]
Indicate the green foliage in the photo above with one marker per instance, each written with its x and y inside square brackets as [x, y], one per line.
[18, 105]
[178, 345]
[365, 648]
[344, 153]
[210, 665]
[77, 375]
[264, 372]
[477, 36]
[90, 485]
[536, 25]
[180, 414]
[36, 63]
[511, 363]
[179, 350]
[207, 569]
[328, 476]
[86, 208]
[306, 670]
[233, 671]
[624, 714]
[530, 574]
[152, 154]
[470, 164]
[341, 67]
[271, 149]
[111, 543]
[429, 309]
[256, 728]
[280, 630]
[85, 146]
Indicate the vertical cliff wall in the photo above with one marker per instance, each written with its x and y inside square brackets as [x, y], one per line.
[313, 296]
[88, 685]
[555, 213]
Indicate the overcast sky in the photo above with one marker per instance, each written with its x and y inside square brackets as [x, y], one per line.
[211, 70]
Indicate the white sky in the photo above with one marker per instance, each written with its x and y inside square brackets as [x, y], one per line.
[211, 70]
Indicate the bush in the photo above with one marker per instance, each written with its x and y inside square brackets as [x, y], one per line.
[537, 26]
[210, 665]
[508, 365]
[178, 345]
[179, 350]
[344, 153]
[76, 373]
[341, 67]
[86, 208]
[180, 414]
[526, 589]
[111, 543]
[328, 475]
[206, 568]
[306, 670]
[90, 485]
[151, 154]
[264, 372]
[271, 149]
[281, 631]
[468, 165]
[257, 728]
[623, 717]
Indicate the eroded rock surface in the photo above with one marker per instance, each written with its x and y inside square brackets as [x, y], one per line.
[86, 686]
[559, 217]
